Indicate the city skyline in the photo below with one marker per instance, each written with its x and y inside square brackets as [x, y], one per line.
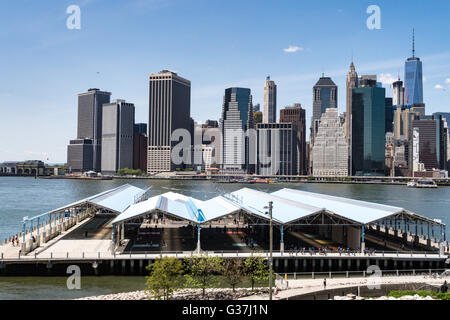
[49, 79]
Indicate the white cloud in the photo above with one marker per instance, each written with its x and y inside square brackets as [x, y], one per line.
[438, 86]
[447, 81]
[387, 78]
[293, 49]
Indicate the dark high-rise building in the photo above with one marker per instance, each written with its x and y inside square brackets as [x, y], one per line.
[90, 107]
[140, 146]
[389, 123]
[324, 97]
[297, 115]
[368, 129]
[169, 110]
[413, 79]
[432, 141]
[277, 148]
[117, 136]
[237, 117]
[80, 155]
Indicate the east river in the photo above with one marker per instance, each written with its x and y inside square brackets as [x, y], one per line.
[20, 197]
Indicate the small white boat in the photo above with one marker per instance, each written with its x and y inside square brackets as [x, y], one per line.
[422, 183]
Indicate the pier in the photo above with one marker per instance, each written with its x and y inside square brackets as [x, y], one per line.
[123, 230]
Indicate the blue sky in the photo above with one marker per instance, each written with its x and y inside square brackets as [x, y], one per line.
[214, 43]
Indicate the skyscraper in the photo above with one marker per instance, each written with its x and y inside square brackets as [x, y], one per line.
[398, 96]
[90, 107]
[270, 101]
[237, 117]
[117, 136]
[140, 147]
[324, 97]
[389, 115]
[169, 109]
[351, 83]
[413, 79]
[330, 146]
[277, 148]
[297, 115]
[368, 129]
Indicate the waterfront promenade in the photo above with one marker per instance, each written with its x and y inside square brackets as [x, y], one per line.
[293, 288]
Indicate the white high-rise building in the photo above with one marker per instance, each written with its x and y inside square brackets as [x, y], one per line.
[270, 102]
[330, 150]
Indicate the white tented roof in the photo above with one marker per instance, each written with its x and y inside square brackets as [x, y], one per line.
[359, 211]
[181, 206]
[116, 200]
[288, 206]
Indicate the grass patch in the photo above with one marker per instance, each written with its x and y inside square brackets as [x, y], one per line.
[421, 293]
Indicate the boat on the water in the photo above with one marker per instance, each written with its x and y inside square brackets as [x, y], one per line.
[422, 183]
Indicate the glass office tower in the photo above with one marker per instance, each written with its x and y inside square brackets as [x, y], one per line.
[368, 129]
[413, 81]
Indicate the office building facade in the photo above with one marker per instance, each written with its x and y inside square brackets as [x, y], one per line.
[140, 147]
[297, 115]
[368, 129]
[117, 136]
[237, 118]
[330, 150]
[90, 107]
[270, 102]
[277, 148]
[169, 110]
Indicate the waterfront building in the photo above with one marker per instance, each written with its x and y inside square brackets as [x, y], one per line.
[80, 155]
[413, 80]
[330, 150]
[368, 128]
[416, 164]
[169, 110]
[432, 141]
[351, 83]
[277, 148]
[389, 120]
[140, 147]
[237, 118]
[297, 115]
[324, 97]
[90, 107]
[117, 136]
[270, 101]
[8, 168]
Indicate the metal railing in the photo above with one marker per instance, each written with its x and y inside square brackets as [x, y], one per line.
[89, 255]
[427, 273]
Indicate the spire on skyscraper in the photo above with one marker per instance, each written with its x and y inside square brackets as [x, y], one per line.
[413, 49]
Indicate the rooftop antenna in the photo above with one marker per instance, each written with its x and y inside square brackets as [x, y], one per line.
[413, 49]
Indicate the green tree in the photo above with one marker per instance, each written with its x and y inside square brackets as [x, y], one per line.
[166, 275]
[129, 172]
[234, 271]
[257, 269]
[203, 272]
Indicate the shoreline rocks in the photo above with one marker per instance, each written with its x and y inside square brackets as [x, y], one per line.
[184, 294]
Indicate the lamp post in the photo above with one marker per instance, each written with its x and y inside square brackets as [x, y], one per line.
[270, 207]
